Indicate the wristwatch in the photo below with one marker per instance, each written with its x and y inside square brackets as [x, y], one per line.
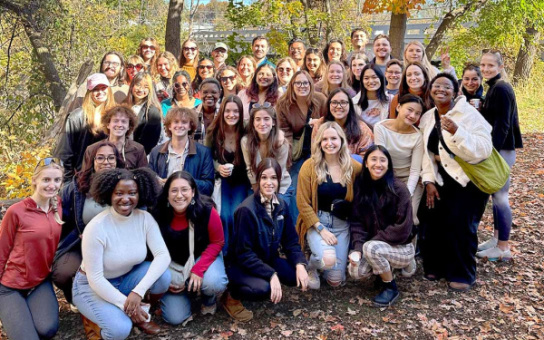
[319, 228]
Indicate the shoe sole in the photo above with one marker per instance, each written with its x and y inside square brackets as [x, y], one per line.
[381, 305]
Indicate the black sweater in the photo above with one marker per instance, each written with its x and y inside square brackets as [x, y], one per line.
[501, 111]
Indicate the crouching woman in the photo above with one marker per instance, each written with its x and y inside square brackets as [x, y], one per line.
[263, 225]
[382, 224]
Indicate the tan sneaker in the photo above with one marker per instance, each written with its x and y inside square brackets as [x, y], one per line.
[235, 308]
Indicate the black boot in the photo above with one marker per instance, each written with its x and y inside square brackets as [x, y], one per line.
[388, 295]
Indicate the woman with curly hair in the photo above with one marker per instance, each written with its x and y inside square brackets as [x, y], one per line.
[78, 209]
[224, 138]
[183, 93]
[29, 235]
[162, 72]
[325, 189]
[340, 109]
[147, 108]
[188, 60]
[193, 234]
[246, 67]
[114, 276]
[118, 124]
[314, 64]
[264, 88]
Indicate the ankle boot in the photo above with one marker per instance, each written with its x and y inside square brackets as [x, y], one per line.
[92, 331]
[235, 308]
[387, 296]
[150, 327]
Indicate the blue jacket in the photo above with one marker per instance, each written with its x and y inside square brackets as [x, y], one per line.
[72, 215]
[258, 237]
[199, 163]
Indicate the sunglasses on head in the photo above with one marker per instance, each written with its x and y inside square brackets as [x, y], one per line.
[265, 105]
[47, 161]
[492, 51]
[180, 85]
[138, 67]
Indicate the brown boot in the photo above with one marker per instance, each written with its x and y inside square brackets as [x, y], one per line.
[150, 328]
[235, 308]
[92, 331]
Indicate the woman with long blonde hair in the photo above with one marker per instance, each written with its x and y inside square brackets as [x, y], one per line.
[335, 77]
[162, 71]
[83, 126]
[324, 193]
[29, 235]
[415, 51]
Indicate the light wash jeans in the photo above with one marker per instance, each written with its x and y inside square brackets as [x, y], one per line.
[502, 213]
[176, 308]
[113, 322]
[340, 229]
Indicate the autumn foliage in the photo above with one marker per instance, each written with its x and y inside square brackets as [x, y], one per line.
[394, 6]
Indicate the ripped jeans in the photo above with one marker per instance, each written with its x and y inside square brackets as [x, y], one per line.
[331, 259]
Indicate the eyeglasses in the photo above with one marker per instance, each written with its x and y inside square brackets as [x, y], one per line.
[265, 105]
[138, 67]
[224, 79]
[47, 161]
[147, 47]
[180, 85]
[301, 83]
[444, 87]
[101, 159]
[341, 103]
[112, 63]
[285, 69]
[201, 67]
[192, 49]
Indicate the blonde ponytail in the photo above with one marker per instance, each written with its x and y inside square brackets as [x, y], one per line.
[53, 202]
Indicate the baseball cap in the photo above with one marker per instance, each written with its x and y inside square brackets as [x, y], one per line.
[97, 79]
[220, 45]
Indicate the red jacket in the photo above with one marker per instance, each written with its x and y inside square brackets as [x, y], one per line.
[28, 241]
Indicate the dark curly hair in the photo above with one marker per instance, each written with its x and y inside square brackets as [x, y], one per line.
[105, 182]
[84, 177]
[164, 214]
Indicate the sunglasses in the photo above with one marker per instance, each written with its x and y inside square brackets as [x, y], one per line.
[201, 67]
[192, 49]
[265, 105]
[138, 67]
[178, 86]
[47, 161]
[224, 79]
[147, 47]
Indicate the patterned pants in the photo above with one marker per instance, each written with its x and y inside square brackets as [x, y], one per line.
[379, 257]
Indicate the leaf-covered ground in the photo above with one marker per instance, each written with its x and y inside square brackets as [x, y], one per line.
[506, 303]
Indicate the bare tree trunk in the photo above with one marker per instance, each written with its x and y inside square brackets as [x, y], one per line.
[526, 55]
[447, 22]
[328, 29]
[173, 28]
[397, 30]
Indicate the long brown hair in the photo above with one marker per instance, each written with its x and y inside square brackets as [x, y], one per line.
[151, 99]
[183, 60]
[215, 136]
[157, 49]
[290, 97]
[271, 92]
[254, 142]
[322, 65]
[404, 88]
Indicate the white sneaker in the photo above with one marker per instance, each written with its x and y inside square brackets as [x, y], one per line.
[410, 269]
[495, 254]
[491, 243]
[313, 279]
[204, 310]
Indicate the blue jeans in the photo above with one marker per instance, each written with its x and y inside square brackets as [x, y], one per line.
[29, 314]
[319, 247]
[291, 200]
[231, 197]
[176, 308]
[113, 322]
[502, 213]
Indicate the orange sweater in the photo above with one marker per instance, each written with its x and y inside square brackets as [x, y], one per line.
[307, 196]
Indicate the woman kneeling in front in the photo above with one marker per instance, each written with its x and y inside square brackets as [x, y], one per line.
[114, 276]
[263, 225]
[381, 225]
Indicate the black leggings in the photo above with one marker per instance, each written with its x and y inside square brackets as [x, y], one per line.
[64, 270]
[245, 286]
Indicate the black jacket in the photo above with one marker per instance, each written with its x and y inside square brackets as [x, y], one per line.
[148, 130]
[501, 111]
[258, 238]
[74, 141]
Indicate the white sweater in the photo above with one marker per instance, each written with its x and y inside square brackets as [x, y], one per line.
[471, 142]
[406, 150]
[113, 244]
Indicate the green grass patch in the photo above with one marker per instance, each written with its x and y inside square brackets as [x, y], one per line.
[530, 98]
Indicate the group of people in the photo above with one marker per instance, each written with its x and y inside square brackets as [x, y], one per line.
[184, 179]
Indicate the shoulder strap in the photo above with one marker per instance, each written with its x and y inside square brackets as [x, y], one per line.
[438, 128]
